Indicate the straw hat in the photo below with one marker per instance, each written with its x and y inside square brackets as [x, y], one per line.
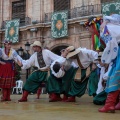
[72, 51]
[36, 43]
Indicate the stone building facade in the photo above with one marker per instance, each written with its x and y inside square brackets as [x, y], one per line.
[35, 24]
[37, 17]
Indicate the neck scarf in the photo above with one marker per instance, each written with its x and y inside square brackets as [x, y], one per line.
[8, 52]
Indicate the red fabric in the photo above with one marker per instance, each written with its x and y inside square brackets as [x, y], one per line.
[4, 95]
[54, 97]
[39, 92]
[8, 94]
[7, 76]
[65, 97]
[102, 42]
[110, 102]
[71, 99]
[24, 97]
[93, 39]
[95, 31]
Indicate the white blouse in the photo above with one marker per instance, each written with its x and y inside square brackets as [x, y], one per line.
[112, 39]
[12, 55]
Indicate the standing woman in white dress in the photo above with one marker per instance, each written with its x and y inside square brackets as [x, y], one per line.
[110, 33]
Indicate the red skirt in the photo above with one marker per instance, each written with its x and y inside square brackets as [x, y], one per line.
[7, 75]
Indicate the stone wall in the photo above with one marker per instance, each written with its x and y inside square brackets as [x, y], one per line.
[36, 9]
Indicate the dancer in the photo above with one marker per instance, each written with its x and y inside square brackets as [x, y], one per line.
[83, 58]
[62, 73]
[110, 33]
[93, 25]
[41, 59]
[8, 57]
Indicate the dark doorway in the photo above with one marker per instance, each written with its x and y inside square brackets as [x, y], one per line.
[58, 49]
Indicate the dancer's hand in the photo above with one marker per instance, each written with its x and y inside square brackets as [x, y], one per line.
[94, 66]
[19, 63]
[62, 67]
[65, 53]
[3, 63]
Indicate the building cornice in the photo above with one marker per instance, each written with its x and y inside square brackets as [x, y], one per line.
[47, 25]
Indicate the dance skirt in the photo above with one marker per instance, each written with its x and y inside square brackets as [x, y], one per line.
[113, 83]
[7, 74]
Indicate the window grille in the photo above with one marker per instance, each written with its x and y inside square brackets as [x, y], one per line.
[61, 5]
[19, 11]
[104, 1]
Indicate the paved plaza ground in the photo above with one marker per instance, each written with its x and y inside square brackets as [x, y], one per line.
[41, 109]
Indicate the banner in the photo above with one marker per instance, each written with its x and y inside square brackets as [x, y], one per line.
[12, 30]
[111, 8]
[59, 24]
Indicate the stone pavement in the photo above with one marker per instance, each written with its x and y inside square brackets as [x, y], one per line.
[41, 109]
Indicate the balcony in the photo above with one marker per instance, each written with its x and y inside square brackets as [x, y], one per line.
[72, 14]
[79, 12]
[23, 22]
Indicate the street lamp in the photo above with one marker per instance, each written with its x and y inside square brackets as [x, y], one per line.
[20, 51]
[27, 46]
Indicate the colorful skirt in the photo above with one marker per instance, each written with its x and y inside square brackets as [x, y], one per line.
[7, 75]
[113, 83]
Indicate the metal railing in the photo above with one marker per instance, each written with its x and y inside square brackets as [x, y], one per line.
[26, 21]
[79, 12]
[72, 13]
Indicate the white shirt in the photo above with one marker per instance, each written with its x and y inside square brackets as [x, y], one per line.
[103, 76]
[61, 72]
[86, 57]
[48, 57]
